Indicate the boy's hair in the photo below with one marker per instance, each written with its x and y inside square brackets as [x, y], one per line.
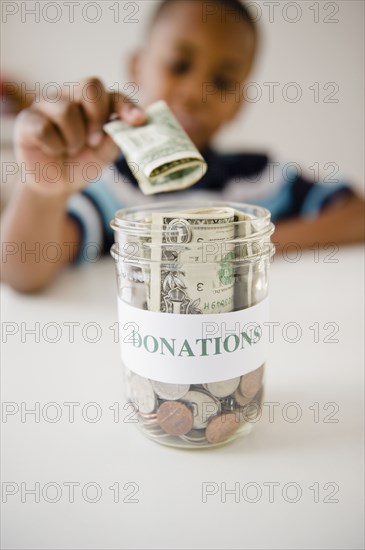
[232, 7]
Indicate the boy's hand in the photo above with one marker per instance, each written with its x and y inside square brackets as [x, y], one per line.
[61, 145]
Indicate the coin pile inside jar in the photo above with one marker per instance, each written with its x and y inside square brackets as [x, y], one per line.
[199, 414]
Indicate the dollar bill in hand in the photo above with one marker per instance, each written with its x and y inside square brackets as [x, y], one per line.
[160, 154]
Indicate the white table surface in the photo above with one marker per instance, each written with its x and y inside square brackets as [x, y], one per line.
[170, 512]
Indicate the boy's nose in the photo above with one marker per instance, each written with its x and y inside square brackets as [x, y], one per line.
[190, 92]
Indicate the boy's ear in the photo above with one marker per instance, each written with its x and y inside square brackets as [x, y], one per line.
[133, 66]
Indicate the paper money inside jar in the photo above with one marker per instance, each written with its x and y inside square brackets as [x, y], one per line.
[193, 303]
[160, 154]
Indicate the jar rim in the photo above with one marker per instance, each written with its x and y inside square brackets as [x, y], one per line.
[242, 246]
[126, 219]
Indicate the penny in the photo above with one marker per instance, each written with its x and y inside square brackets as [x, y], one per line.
[253, 410]
[251, 382]
[171, 392]
[204, 406]
[149, 419]
[175, 418]
[241, 399]
[142, 394]
[223, 388]
[221, 427]
[258, 397]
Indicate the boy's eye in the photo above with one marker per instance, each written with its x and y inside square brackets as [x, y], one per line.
[179, 67]
[223, 83]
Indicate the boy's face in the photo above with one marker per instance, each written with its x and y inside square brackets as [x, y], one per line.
[196, 59]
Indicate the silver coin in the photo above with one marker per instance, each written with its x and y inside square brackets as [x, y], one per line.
[171, 392]
[223, 388]
[196, 437]
[142, 393]
[204, 407]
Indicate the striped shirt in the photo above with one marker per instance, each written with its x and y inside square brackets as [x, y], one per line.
[241, 177]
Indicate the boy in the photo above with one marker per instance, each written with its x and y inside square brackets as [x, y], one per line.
[193, 60]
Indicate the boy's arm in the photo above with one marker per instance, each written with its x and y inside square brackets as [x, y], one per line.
[340, 223]
[38, 239]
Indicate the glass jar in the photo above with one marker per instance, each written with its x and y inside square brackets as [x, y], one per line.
[192, 303]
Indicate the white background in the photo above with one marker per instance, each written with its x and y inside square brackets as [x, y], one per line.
[304, 52]
[170, 512]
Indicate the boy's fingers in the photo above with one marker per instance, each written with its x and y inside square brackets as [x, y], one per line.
[126, 109]
[35, 130]
[69, 120]
[98, 104]
[94, 101]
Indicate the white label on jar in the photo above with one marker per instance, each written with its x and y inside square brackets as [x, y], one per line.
[193, 349]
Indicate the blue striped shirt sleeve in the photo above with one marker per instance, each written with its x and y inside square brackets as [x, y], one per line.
[93, 209]
[298, 197]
